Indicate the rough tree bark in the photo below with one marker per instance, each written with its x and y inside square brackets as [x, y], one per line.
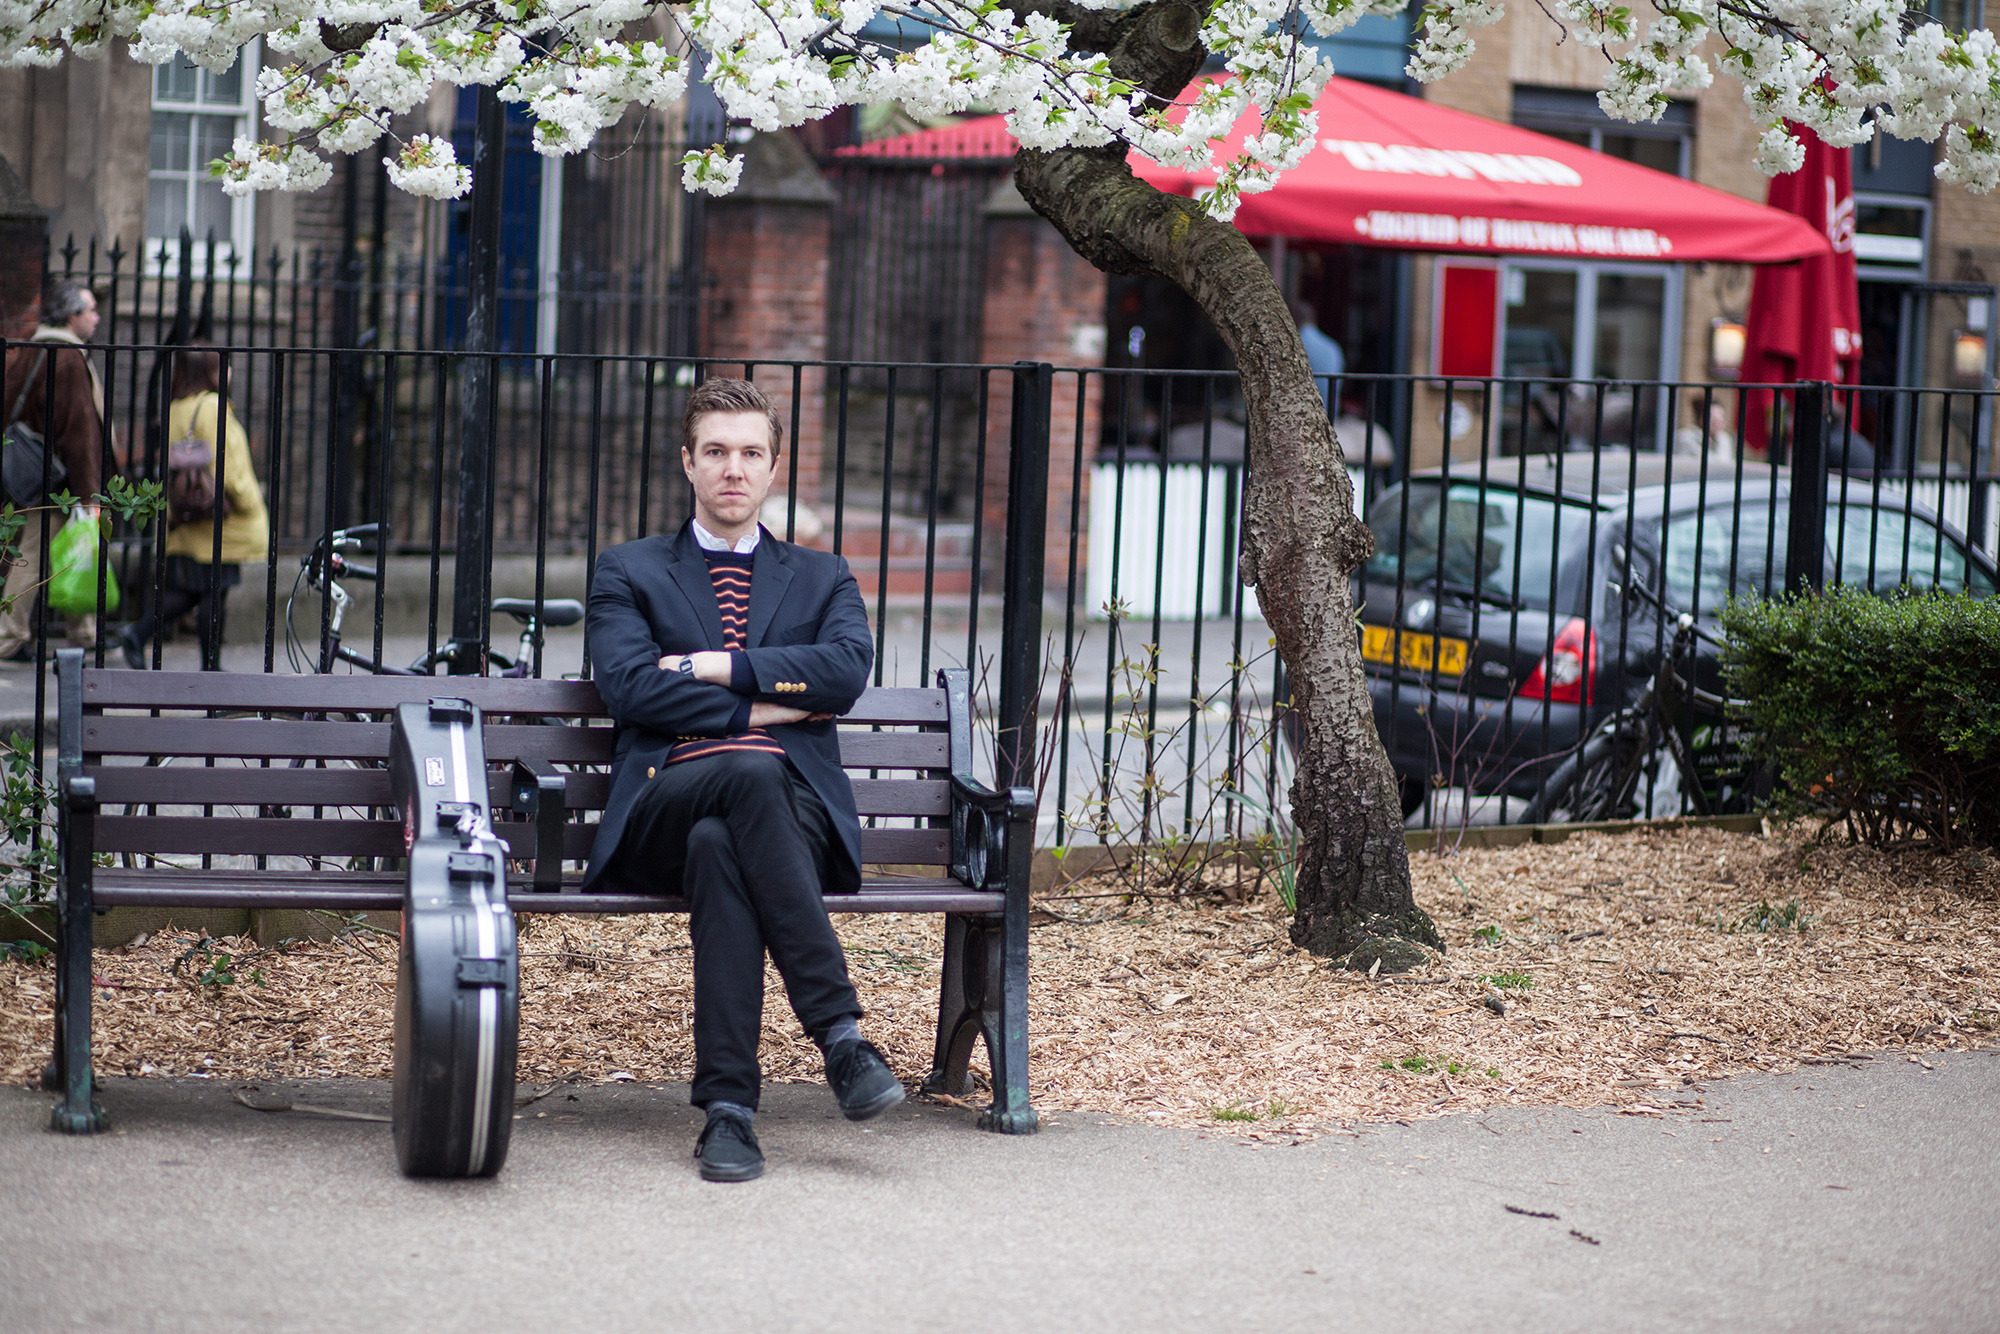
[1301, 541]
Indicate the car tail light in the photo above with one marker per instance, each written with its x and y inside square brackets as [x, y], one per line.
[1568, 673]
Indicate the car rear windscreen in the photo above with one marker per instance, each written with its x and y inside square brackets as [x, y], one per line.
[1498, 542]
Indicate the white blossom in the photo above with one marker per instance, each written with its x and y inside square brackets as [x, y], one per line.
[428, 166]
[1779, 151]
[711, 170]
[1845, 69]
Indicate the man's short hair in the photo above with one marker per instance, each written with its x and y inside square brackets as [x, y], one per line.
[65, 299]
[721, 395]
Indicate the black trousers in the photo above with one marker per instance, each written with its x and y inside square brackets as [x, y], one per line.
[746, 840]
[187, 589]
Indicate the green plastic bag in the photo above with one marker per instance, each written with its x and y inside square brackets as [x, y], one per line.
[73, 566]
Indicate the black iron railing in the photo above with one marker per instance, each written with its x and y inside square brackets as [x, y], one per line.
[1072, 537]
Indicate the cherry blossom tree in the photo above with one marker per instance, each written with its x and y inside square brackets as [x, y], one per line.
[1081, 82]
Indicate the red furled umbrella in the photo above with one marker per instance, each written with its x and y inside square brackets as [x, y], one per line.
[1805, 318]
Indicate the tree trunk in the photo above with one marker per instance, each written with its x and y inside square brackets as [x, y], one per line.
[1301, 541]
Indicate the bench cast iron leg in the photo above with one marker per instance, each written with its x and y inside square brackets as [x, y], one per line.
[78, 1112]
[1004, 1019]
[982, 998]
[76, 839]
[959, 1000]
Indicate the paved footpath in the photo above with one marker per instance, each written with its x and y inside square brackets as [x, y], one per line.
[1832, 1198]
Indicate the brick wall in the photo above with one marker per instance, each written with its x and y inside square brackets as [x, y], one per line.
[1043, 302]
[766, 267]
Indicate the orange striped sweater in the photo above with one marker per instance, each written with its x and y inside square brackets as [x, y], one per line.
[729, 571]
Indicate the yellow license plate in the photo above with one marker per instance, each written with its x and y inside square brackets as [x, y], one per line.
[1414, 649]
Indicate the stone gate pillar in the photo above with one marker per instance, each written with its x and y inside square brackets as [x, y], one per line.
[24, 256]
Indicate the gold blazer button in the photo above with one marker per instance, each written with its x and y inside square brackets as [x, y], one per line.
[650, 771]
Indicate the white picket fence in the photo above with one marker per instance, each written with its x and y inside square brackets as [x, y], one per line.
[1174, 562]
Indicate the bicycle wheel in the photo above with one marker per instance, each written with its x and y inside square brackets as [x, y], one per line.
[343, 802]
[1596, 783]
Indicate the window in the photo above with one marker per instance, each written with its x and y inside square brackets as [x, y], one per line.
[1572, 115]
[196, 117]
[1721, 553]
[1587, 321]
[1500, 545]
[1879, 550]
[1744, 555]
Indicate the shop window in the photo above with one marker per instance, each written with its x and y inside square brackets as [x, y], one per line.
[196, 118]
[1572, 115]
[1567, 325]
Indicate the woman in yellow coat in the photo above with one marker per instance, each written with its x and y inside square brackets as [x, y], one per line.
[196, 579]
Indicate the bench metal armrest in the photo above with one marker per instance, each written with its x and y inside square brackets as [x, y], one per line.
[988, 830]
[541, 793]
[76, 838]
[79, 794]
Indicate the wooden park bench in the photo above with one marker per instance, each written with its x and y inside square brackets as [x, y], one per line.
[239, 790]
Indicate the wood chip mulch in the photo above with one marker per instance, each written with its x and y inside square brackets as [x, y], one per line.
[1598, 971]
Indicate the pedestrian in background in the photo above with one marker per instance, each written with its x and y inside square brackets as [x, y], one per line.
[1323, 354]
[197, 579]
[70, 423]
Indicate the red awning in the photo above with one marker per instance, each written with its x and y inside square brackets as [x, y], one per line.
[1394, 170]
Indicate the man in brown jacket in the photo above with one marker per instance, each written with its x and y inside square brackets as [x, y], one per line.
[74, 431]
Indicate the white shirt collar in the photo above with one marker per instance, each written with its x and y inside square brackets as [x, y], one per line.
[708, 541]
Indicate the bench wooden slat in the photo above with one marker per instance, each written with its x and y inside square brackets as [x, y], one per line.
[283, 738]
[899, 705]
[180, 835]
[192, 835]
[902, 796]
[194, 784]
[906, 847]
[235, 738]
[507, 742]
[894, 750]
[257, 691]
[188, 835]
[280, 693]
[383, 891]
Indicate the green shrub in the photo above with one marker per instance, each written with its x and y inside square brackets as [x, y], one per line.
[1880, 712]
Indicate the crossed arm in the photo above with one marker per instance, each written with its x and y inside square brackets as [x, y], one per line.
[718, 668]
[725, 692]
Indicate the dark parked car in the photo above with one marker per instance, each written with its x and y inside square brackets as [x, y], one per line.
[1495, 621]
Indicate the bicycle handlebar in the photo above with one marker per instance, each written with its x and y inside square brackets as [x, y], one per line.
[1683, 620]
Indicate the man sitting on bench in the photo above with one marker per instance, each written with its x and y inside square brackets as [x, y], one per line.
[724, 656]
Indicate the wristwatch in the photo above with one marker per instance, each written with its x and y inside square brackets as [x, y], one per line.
[685, 666]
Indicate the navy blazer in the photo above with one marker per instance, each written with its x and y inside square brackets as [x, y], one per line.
[808, 647]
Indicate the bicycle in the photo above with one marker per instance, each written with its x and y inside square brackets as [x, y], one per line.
[321, 570]
[1699, 731]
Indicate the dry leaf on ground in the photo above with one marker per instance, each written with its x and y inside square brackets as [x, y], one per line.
[1623, 963]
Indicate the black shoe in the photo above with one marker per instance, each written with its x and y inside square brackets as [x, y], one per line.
[135, 652]
[861, 1080]
[728, 1150]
